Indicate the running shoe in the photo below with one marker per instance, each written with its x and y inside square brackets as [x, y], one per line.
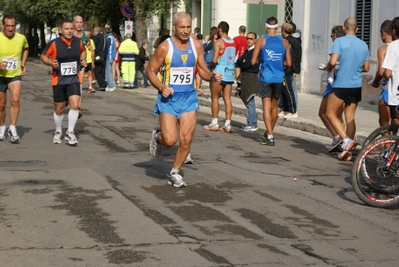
[71, 138]
[281, 112]
[336, 145]
[188, 159]
[155, 146]
[14, 137]
[346, 147]
[249, 128]
[226, 129]
[91, 90]
[109, 89]
[289, 115]
[211, 127]
[268, 142]
[2, 134]
[347, 157]
[57, 138]
[176, 180]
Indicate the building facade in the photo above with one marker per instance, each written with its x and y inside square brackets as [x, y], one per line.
[314, 19]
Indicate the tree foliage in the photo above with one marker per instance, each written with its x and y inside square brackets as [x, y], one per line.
[36, 13]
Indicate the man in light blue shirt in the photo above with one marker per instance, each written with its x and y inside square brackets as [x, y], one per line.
[353, 56]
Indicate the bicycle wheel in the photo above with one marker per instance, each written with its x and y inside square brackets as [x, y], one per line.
[374, 182]
[380, 131]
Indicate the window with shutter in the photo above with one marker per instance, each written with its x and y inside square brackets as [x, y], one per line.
[363, 18]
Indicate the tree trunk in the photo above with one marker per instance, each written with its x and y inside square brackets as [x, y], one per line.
[140, 31]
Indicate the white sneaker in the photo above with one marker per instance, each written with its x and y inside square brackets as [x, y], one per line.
[71, 138]
[225, 129]
[155, 147]
[281, 113]
[2, 134]
[249, 128]
[211, 127]
[57, 138]
[176, 180]
[14, 137]
[289, 115]
[188, 159]
[109, 89]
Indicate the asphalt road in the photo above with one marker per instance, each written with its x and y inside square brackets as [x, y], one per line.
[106, 202]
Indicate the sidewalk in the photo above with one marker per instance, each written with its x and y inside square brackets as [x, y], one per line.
[308, 119]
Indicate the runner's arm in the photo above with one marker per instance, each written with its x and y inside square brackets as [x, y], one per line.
[154, 66]
[381, 52]
[25, 54]
[260, 42]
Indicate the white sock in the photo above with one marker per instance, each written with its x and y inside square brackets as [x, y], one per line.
[73, 115]
[269, 136]
[174, 171]
[12, 129]
[58, 122]
[215, 120]
[227, 122]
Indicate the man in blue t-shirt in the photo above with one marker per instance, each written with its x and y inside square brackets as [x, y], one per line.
[353, 56]
[273, 53]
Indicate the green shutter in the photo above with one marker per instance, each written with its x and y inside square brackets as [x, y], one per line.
[206, 17]
[254, 24]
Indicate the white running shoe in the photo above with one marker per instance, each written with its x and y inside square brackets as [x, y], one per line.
[71, 138]
[155, 146]
[211, 127]
[176, 180]
[14, 137]
[188, 159]
[2, 134]
[57, 138]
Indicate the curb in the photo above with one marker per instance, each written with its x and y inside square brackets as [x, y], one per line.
[301, 124]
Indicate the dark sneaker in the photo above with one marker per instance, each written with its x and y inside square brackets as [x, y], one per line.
[268, 142]
[176, 180]
[155, 146]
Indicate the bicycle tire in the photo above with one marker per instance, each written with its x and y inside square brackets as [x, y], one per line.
[374, 172]
[372, 183]
[380, 131]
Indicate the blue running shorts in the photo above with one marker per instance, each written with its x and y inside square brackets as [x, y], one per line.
[328, 90]
[177, 104]
[384, 95]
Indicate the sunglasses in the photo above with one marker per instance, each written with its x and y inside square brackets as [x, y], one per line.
[249, 38]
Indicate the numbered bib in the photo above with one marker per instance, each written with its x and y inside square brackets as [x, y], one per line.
[12, 63]
[181, 76]
[69, 68]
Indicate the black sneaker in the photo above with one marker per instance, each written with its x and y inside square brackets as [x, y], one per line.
[268, 142]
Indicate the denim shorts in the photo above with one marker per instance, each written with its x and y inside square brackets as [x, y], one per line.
[177, 104]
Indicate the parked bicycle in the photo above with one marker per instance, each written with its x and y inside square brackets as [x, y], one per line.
[375, 178]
